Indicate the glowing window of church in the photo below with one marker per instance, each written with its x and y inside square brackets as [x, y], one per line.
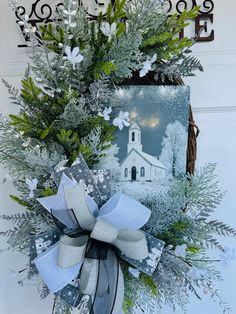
[142, 172]
[133, 136]
[126, 172]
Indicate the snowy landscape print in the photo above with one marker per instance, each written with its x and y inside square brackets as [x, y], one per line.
[152, 150]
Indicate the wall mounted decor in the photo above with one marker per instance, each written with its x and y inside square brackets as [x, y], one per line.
[42, 12]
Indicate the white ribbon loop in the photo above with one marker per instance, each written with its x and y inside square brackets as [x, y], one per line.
[71, 250]
[104, 231]
[76, 199]
[132, 243]
[124, 212]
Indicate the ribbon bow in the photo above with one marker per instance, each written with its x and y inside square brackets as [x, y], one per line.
[116, 223]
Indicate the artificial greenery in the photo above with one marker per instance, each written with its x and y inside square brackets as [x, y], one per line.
[58, 103]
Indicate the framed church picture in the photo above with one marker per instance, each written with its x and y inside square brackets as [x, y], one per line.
[153, 148]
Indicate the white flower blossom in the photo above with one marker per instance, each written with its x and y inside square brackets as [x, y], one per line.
[28, 28]
[32, 185]
[122, 120]
[74, 55]
[69, 15]
[147, 66]
[180, 250]
[105, 114]
[27, 142]
[68, 12]
[108, 30]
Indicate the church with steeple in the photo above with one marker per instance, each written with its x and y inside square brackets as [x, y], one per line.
[138, 165]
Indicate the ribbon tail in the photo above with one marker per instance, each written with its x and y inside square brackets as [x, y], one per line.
[103, 281]
[110, 290]
[119, 295]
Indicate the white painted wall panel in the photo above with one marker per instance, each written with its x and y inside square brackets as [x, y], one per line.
[217, 144]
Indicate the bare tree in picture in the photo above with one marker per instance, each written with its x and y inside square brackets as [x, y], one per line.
[173, 154]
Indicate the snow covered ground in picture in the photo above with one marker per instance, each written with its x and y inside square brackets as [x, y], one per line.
[153, 148]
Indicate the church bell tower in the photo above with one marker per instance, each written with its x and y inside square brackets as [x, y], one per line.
[134, 138]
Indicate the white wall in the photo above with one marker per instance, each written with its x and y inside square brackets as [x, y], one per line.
[214, 103]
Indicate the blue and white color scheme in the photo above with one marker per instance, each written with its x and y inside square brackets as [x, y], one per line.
[151, 151]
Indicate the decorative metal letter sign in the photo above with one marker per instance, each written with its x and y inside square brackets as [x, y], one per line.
[42, 12]
[203, 20]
